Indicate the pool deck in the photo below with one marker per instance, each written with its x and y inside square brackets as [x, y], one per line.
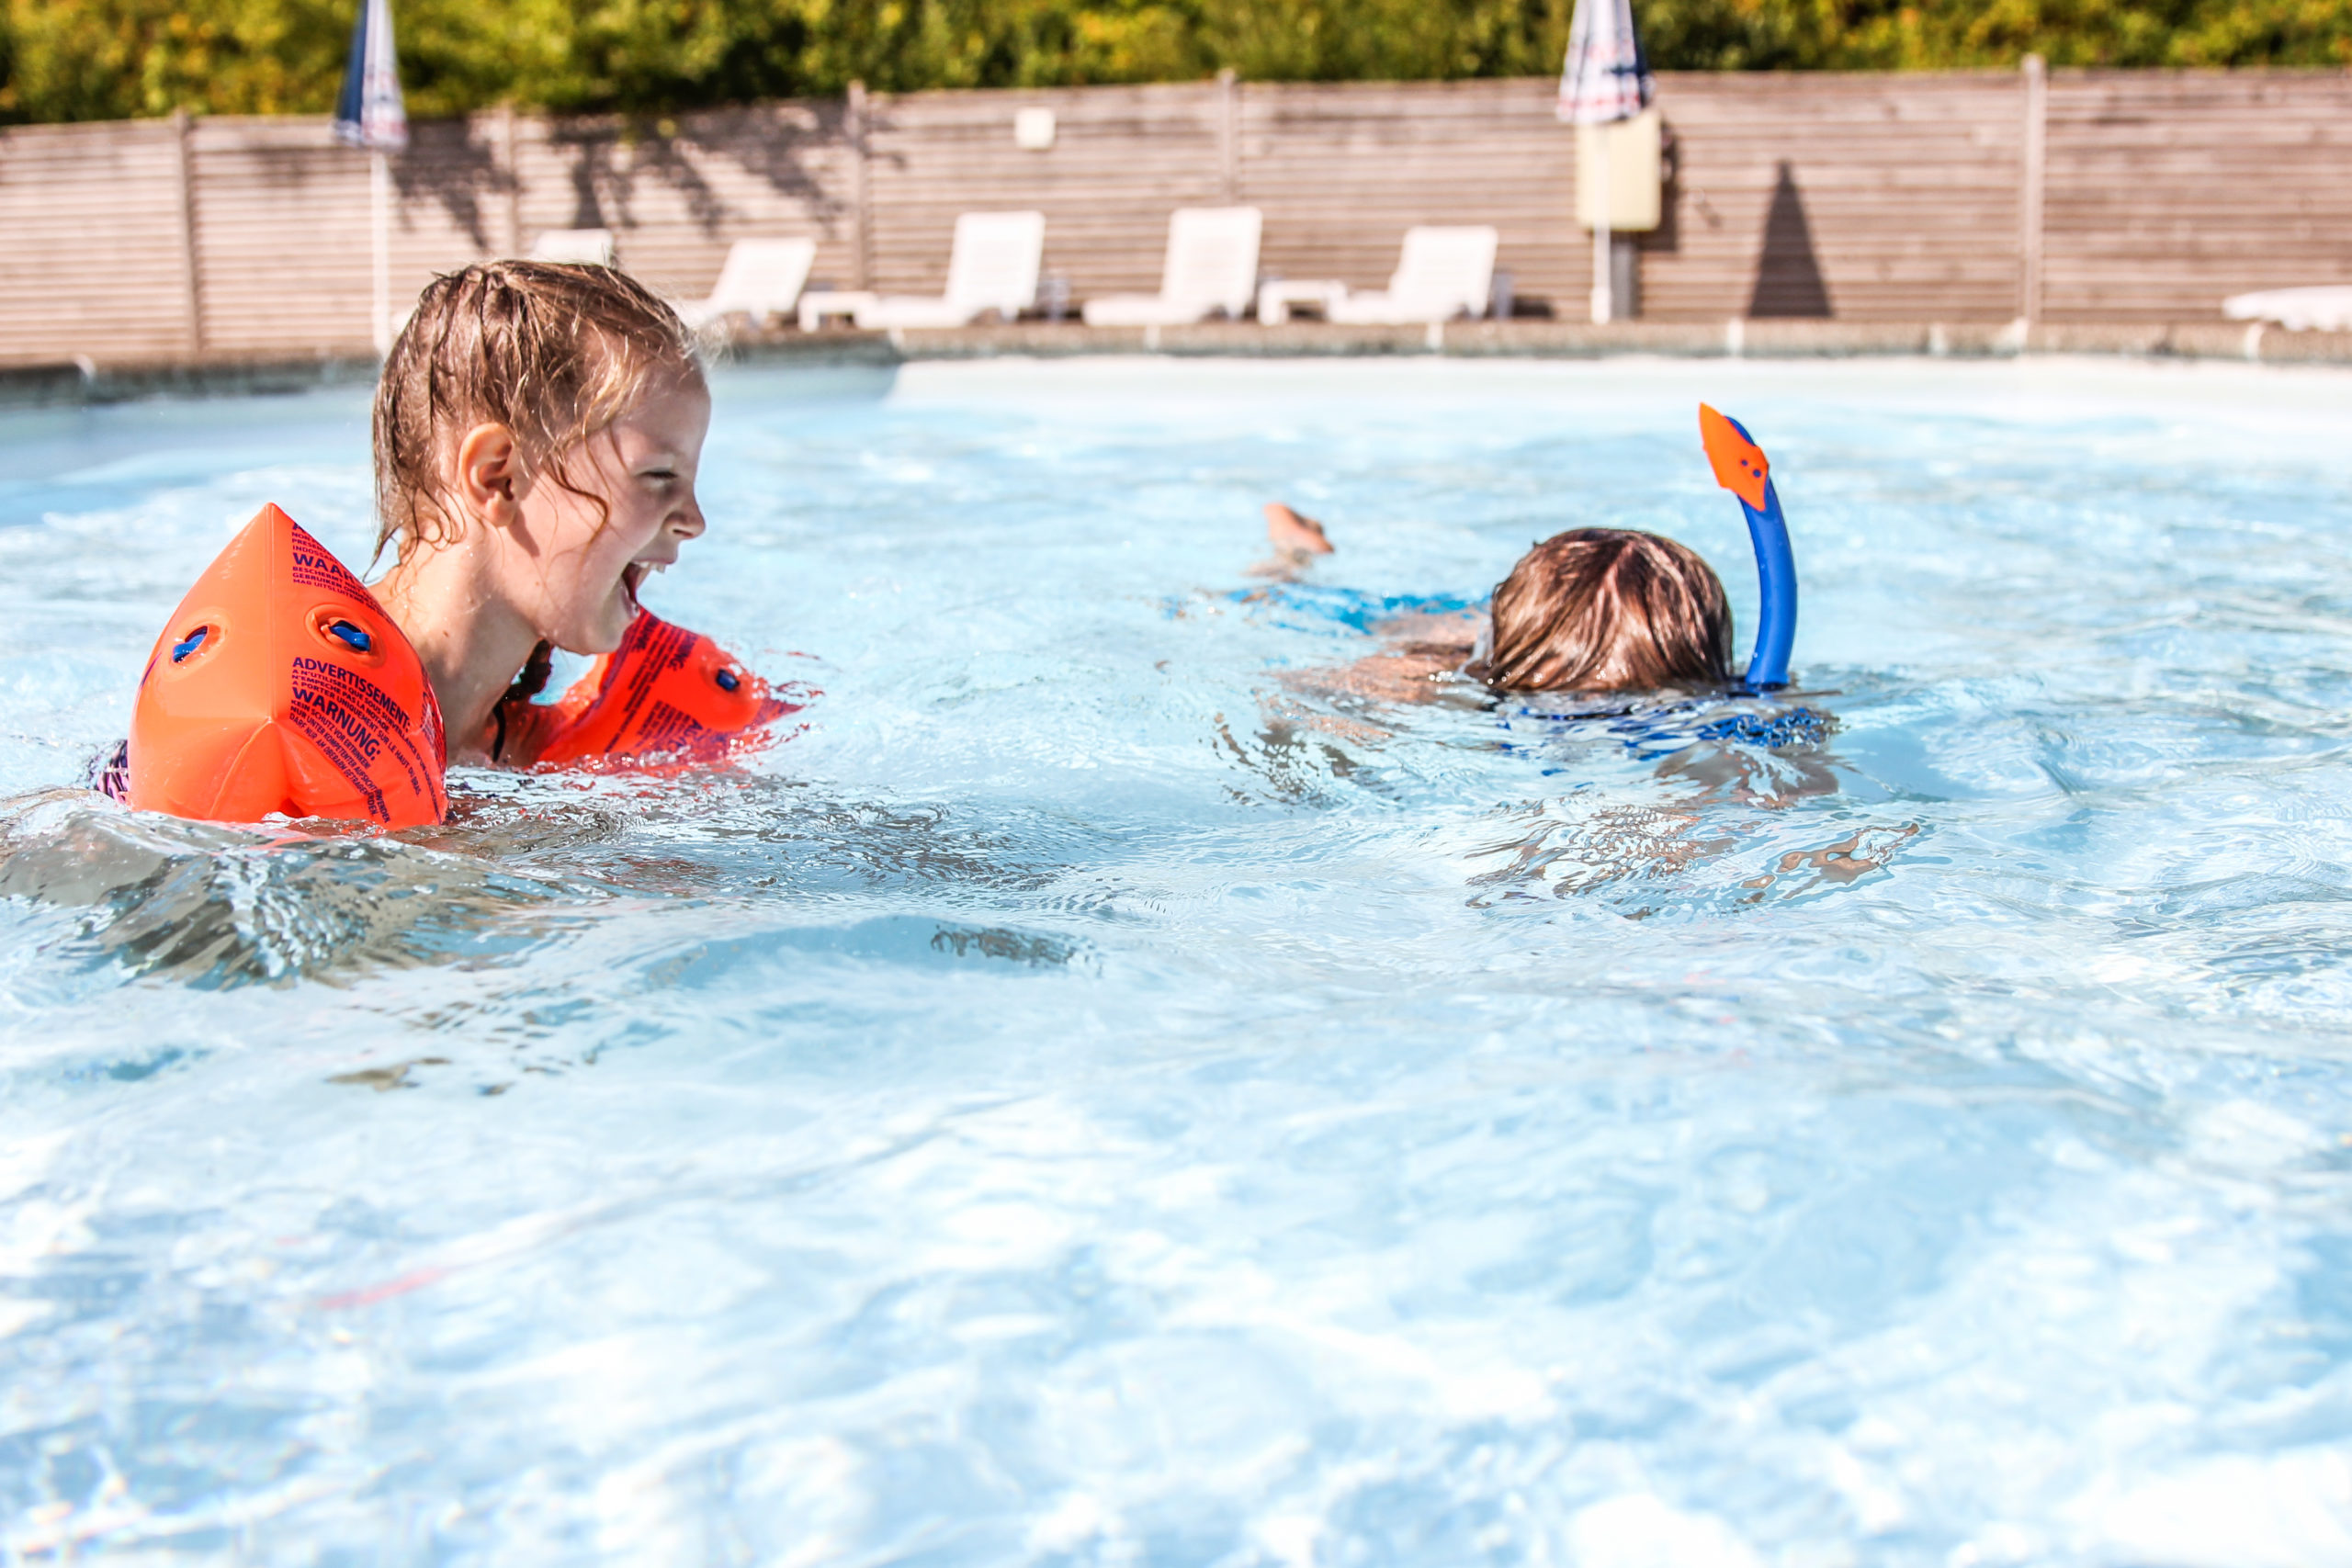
[84, 382]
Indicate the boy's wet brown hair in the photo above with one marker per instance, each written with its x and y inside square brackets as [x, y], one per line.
[553, 351]
[1608, 610]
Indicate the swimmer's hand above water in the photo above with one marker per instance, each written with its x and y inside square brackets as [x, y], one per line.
[1296, 539]
[1293, 533]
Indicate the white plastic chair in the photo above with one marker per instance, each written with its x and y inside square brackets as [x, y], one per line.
[991, 266]
[762, 278]
[1441, 274]
[1211, 267]
[2326, 309]
[593, 247]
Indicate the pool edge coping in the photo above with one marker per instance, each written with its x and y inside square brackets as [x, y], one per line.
[83, 381]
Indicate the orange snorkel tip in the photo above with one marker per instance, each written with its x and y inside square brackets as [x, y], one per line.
[1740, 464]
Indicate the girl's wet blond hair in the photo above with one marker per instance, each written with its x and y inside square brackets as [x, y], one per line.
[1608, 610]
[553, 351]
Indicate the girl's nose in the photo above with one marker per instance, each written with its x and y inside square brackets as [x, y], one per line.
[687, 521]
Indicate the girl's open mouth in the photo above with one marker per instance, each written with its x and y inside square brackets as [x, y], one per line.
[632, 576]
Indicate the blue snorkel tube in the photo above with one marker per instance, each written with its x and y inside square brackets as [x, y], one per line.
[1741, 468]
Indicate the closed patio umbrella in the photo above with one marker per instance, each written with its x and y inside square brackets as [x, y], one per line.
[369, 114]
[1606, 78]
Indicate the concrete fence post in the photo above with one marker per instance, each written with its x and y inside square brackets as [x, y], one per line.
[191, 264]
[510, 151]
[2035, 174]
[1228, 134]
[861, 225]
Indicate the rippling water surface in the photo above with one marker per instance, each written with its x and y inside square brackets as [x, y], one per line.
[1090, 1098]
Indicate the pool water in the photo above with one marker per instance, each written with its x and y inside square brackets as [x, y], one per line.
[1095, 1096]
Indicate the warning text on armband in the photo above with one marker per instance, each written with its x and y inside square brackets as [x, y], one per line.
[352, 722]
[668, 732]
[324, 682]
[316, 569]
[651, 649]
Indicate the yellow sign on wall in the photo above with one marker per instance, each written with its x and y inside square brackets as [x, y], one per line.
[1635, 173]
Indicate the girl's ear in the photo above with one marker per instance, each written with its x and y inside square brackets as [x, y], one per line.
[490, 473]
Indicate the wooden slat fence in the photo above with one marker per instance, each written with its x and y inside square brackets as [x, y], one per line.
[1121, 158]
[1863, 197]
[675, 201]
[1342, 169]
[1881, 198]
[2168, 191]
[94, 243]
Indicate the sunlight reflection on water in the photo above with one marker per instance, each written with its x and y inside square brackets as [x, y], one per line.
[1090, 1098]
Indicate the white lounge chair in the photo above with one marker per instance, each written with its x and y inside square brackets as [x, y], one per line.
[762, 278]
[2326, 309]
[593, 247]
[1211, 267]
[1441, 274]
[991, 266]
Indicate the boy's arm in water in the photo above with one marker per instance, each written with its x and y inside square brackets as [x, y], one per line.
[1412, 669]
[1425, 651]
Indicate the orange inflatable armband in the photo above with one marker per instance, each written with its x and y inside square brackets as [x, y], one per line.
[281, 685]
[665, 694]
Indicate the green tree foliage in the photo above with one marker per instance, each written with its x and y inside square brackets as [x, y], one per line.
[1883, 35]
[117, 59]
[114, 58]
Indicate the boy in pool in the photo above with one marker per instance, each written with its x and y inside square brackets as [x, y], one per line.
[1590, 610]
[1593, 611]
[536, 432]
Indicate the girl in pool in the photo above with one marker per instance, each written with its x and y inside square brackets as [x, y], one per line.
[536, 432]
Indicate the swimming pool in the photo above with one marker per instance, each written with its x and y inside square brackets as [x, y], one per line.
[1090, 1099]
